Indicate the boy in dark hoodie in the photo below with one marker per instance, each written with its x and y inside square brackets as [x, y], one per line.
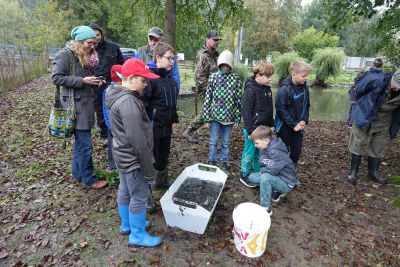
[277, 171]
[161, 97]
[257, 109]
[132, 150]
[292, 109]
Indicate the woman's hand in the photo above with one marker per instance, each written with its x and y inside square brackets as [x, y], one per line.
[92, 80]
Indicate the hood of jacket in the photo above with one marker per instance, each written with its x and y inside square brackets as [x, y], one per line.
[251, 82]
[115, 93]
[277, 143]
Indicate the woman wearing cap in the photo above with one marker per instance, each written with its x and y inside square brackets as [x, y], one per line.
[132, 151]
[376, 119]
[80, 55]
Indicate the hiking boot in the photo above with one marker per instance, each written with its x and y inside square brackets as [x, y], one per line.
[276, 196]
[245, 180]
[188, 134]
[355, 164]
[150, 206]
[161, 180]
[373, 170]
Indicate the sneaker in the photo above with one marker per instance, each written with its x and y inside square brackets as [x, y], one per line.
[269, 210]
[104, 140]
[225, 165]
[245, 180]
[276, 196]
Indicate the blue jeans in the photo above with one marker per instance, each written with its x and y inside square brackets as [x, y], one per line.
[82, 164]
[268, 183]
[250, 156]
[217, 128]
[133, 190]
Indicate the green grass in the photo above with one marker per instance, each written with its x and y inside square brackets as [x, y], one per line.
[111, 177]
[187, 77]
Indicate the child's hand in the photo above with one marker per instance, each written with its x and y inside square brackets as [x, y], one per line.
[207, 125]
[173, 127]
[298, 127]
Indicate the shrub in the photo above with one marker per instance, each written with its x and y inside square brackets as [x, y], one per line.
[327, 62]
[282, 64]
[306, 42]
[242, 71]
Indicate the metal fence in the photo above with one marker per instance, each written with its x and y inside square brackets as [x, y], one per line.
[19, 67]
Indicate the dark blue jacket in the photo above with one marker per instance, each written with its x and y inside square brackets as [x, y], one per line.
[257, 106]
[292, 104]
[370, 94]
[276, 161]
[160, 97]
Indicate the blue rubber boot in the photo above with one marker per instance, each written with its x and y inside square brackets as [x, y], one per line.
[123, 211]
[124, 228]
[139, 236]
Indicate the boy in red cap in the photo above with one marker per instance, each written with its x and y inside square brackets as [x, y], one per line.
[132, 150]
[116, 79]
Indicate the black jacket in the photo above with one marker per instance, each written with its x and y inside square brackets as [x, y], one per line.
[160, 97]
[257, 106]
[109, 54]
[292, 104]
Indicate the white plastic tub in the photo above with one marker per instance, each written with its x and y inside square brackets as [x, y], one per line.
[188, 215]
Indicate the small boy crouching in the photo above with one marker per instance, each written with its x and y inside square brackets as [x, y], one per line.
[132, 151]
[277, 169]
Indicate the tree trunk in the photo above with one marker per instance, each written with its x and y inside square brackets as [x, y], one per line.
[170, 22]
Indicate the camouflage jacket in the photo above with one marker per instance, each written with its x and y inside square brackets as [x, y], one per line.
[206, 64]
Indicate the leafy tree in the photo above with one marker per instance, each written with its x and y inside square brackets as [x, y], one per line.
[282, 64]
[273, 25]
[308, 40]
[327, 62]
[388, 26]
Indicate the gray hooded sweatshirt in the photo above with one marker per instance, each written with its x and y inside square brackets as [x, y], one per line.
[275, 161]
[132, 132]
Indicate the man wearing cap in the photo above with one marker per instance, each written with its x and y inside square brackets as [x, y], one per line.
[206, 63]
[376, 119]
[132, 150]
[109, 54]
[145, 53]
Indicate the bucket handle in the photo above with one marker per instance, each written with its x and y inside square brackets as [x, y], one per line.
[207, 168]
[185, 203]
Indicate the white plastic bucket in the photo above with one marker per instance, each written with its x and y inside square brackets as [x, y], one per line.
[251, 225]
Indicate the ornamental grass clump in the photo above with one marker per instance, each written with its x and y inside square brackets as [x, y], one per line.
[282, 64]
[327, 62]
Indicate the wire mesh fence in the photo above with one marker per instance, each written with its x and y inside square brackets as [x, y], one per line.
[19, 67]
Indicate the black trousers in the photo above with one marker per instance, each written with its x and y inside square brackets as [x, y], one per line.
[293, 141]
[161, 150]
[98, 107]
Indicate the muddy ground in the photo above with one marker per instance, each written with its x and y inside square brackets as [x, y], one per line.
[47, 219]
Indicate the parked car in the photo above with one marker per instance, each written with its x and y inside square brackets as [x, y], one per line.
[128, 53]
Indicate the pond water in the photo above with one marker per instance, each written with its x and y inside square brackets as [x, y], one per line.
[331, 104]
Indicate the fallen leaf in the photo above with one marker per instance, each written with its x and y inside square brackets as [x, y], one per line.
[368, 195]
[3, 253]
[376, 186]
[83, 244]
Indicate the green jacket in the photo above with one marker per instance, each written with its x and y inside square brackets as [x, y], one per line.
[223, 98]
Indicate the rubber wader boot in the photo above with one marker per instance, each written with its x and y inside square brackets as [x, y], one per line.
[355, 164]
[162, 180]
[138, 235]
[373, 170]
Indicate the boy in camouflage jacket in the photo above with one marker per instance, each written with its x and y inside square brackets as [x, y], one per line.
[222, 107]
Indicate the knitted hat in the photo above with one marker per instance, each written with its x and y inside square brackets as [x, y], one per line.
[116, 73]
[226, 57]
[81, 33]
[134, 66]
[396, 79]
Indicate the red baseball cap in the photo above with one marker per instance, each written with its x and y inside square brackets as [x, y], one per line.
[134, 66]
[115, 70]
